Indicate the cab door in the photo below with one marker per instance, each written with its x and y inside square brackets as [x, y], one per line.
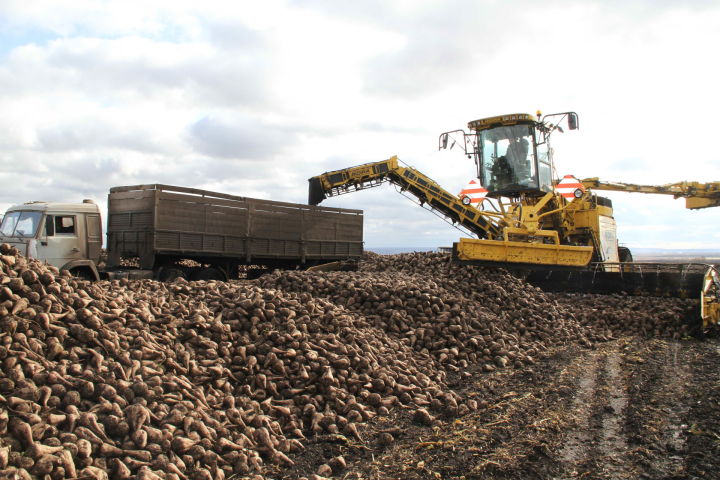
[94, 236]
[64, 239]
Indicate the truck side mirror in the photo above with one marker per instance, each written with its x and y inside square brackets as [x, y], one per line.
[443, 141]
[573, 121]
[49, 230]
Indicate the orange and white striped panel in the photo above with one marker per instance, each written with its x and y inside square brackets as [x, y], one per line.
[474, 192]
[570, 188]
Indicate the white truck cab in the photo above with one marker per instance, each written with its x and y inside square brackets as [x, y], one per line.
[65, 235]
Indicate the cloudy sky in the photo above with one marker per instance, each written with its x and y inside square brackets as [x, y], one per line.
[253, 98]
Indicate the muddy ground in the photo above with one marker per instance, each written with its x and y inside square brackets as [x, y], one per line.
[625, 409]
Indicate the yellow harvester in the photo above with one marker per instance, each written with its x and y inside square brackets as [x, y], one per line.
[560, 229]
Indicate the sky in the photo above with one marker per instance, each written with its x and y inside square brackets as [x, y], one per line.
[254, 98]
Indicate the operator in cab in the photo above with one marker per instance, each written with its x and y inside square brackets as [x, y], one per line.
[513, 167]
[517, 155]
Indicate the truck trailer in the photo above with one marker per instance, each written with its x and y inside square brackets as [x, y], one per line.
[169, 232]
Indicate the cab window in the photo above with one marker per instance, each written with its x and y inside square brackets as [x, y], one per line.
[507, 158]
[64, 224]
[21, 224]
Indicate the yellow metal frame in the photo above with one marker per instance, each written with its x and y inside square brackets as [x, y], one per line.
[694, 203]
[709, 298]
[537, 253]
[487, 224]
[697, 195]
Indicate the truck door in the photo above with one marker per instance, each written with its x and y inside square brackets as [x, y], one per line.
[94, 237]
[62, 241]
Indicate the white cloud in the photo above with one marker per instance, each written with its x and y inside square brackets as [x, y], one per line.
[239, 137]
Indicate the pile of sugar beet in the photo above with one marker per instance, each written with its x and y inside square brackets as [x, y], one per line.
[212, 380]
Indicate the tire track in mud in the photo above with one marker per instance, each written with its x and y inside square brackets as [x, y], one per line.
[677, 373]
[596, 443]
[702, 448]
[661, 403]
[613, 445]
[575, 446]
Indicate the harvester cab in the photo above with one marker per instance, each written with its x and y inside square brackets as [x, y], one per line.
[539, 226]
[511, 152]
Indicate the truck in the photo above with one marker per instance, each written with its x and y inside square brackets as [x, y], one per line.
[168, 232]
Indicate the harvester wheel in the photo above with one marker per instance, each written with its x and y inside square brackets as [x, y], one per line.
[625, 254]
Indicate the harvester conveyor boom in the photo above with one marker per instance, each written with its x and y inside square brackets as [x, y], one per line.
[426, 190]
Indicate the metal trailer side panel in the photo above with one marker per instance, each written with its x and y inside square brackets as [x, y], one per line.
[130, 225]
[333, 233]
[153, 219]
[198, 225]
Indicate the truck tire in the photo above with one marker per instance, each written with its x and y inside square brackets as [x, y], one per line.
[82, 274]
[82, 269]
[170, 274]
[255, 273]
[209, 273]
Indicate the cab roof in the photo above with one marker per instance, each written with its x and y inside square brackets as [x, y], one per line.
[56, 207]
[510, 119]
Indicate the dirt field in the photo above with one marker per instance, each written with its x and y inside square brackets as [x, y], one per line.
[628, 408]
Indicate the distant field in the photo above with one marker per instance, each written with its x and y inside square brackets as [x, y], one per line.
[671, 256]
[394, 250]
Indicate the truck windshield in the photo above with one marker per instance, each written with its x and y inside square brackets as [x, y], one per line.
[20, 224]
[508, 159]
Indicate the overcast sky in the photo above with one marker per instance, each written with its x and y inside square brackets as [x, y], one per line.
[253, 98]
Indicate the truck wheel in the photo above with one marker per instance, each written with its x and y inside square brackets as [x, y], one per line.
[170, 274]
[255, 273]
[82, 274]
[209, 273]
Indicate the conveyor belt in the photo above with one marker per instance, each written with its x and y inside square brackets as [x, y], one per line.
[426, 190]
